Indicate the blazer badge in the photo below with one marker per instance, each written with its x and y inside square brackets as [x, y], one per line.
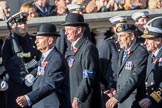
[129, 65]
[71, 62]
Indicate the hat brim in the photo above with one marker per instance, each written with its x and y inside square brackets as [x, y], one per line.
[148, 36]
[74, 24]
[45, 34]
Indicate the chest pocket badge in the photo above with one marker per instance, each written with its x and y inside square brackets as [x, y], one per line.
[129, 65]
[71, 62]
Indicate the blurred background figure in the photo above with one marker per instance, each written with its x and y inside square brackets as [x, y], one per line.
[61, 8]
[135, 4]
[140, 19]
[4, 6]
[154, 4]
[91, 7]
[43, 8]
[30, 9]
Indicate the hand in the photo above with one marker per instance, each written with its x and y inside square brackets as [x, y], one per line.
[111, 102]
[145, 103]
[75, 104]
[21, 101]
[111, 92]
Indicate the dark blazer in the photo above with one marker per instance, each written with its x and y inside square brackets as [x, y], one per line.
[51, 90]
[14, 69]
[84, 73]
[108, 54]
[153, 80]
[130, 79]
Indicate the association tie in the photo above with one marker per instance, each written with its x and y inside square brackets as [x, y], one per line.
[125, 54]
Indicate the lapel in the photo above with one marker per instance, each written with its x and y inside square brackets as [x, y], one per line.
[76, 49]
[130, 52]
[150, 65]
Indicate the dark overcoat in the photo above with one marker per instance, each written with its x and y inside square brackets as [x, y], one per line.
[131, 74]
[51, 90]
[84, 73]
[153, 80]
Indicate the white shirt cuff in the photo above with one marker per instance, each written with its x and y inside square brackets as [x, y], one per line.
[28, 100]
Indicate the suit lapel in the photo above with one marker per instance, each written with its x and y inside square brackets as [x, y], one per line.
[136, 44]
[150, 65]
[77, 47]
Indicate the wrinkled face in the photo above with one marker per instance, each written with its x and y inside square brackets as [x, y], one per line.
[152, 44]
[32, 13]
[125, 39]
[141, 22]
[72, 33]
[42, 43]
[20, 28]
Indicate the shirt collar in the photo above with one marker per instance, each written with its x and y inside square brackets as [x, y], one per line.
[46, 53]
[74, 43]
[128, 49]
[156, 52]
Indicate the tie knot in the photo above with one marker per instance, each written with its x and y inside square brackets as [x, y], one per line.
[41, 59]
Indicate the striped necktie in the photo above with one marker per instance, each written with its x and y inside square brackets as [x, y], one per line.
[125, 54]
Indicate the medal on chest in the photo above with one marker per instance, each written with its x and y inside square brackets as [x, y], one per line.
[71, 62]
[41, 69]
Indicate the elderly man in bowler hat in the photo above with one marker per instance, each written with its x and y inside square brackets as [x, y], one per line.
[50, 80]
[130, 71]
[153, 80]
[62, 43]
[83, 62]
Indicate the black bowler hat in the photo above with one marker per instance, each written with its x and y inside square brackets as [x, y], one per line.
[126, 28]
[153, 29]
[74, 19]
[46, 29]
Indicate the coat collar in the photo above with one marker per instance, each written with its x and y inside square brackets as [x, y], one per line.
[130, 52]
[76, 47]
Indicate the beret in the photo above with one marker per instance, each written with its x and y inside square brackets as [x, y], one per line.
[126, 28]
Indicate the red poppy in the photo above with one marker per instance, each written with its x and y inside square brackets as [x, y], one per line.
[155, 60]
[44, 64]
[130, 52]
[75, 49]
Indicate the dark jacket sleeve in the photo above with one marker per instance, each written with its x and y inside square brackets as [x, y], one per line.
[89, 62]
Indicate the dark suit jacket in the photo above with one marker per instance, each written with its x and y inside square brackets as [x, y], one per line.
[51, 90]
[84, 73]
[108, 54]
[153, 80]
[131, 74]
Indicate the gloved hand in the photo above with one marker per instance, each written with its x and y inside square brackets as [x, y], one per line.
[3, 85]
[29, 79]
